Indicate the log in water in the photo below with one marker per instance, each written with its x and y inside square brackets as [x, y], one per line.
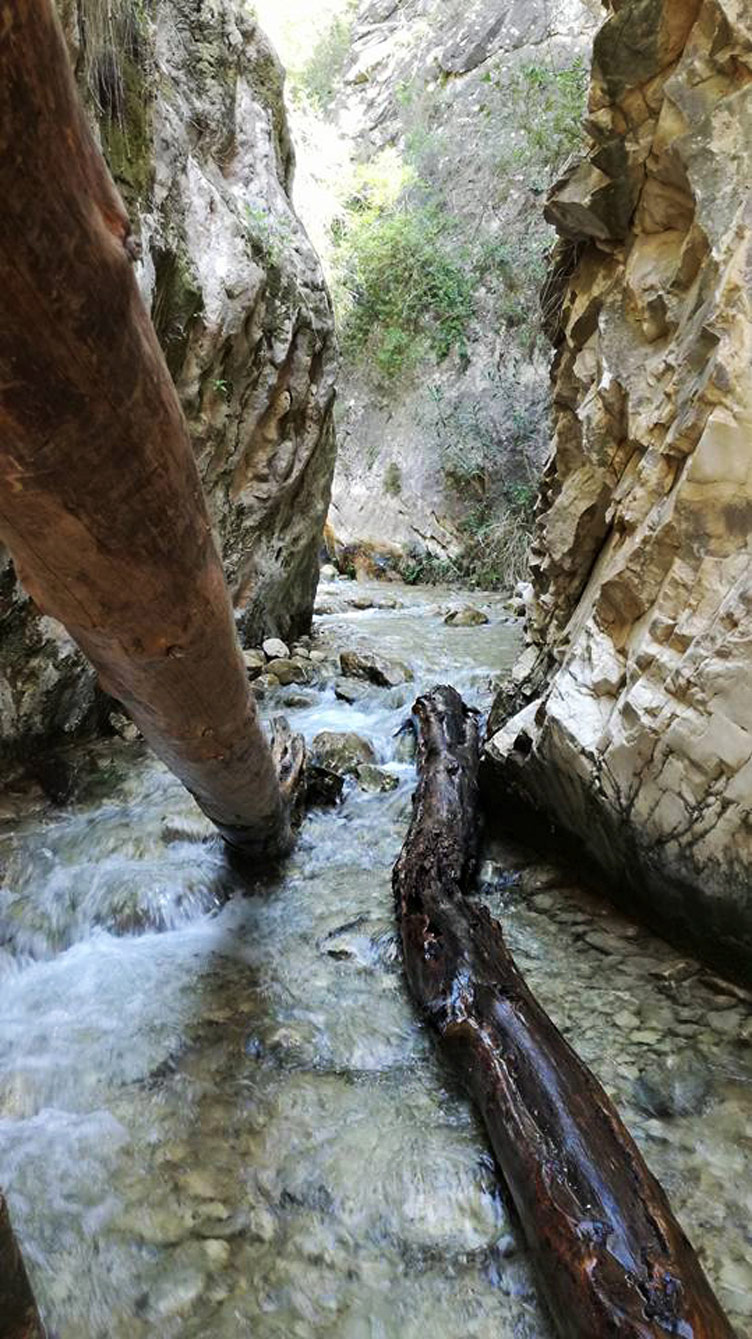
[611, 1257]
[19, 1318]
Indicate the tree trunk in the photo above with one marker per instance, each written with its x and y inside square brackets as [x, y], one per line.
[19, 1318]
[612, 1259]
[101, 504]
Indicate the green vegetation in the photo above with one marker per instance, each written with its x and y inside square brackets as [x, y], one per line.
[545, 105]
[320, 77]
[393, 479]
[268, 235]
[408, 288]
[118, 72]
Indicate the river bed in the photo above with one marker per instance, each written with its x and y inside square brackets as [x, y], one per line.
[219, 1114]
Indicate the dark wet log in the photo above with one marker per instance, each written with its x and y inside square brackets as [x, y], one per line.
[101, 504]
[612, 1259]
[19, 1318]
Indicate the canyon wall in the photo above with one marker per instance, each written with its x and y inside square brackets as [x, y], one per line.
[637, 733]
[186, 97]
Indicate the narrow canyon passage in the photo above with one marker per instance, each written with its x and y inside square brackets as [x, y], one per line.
[220, 1114]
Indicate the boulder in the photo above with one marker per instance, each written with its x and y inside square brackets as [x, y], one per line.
[275, 649]
[467, 617]
[351, 690]
[367, 665]
[341, 752]
[287, 671]
[375, 780]
[255, 662]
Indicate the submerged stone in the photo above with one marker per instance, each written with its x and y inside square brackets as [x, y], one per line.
[341, 752]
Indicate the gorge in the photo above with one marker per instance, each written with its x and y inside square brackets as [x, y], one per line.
[218, 1113]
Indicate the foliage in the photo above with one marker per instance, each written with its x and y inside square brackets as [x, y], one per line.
[545, 105]
[393, 479]
[268, 234]
[405, 286]
[320, 76]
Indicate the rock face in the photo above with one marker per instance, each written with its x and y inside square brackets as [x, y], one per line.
[422, 75]
[188, 102]
[638, 733]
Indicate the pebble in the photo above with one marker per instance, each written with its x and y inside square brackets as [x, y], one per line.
[218, 1251]
[626, 1020]
[605, 942]
[646, 1037]
[727, 1022]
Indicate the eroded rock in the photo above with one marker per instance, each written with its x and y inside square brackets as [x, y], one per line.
[638, 738]
[200, 149]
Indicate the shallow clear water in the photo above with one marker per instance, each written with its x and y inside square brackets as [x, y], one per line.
[220, 1115]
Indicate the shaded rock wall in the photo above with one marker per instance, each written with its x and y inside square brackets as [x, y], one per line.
[187, 97]
[638, 733]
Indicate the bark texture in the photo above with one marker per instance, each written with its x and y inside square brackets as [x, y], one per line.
[19, 1318]
[612, 1258]
[100, 500]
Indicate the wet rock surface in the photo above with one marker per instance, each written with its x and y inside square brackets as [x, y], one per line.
[226, 1119]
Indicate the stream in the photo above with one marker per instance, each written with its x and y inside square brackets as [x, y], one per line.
[219, 1113]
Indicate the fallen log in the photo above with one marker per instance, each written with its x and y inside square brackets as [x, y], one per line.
[19, 1317]
[101, 504]
[611, 1257]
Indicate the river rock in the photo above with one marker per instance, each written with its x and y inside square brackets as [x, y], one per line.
[638, 728]
[375, 780]
[275, 649]
[255, 662]
[341, 752]
[405, 746]
[264, 684]
[374, 668]
[673, 1087]
[328, 572]
[468, 617]
[351, 690]
[323, 786]
[288, 671]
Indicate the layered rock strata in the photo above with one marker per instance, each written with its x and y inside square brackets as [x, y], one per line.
[187, 97]
[637, 735]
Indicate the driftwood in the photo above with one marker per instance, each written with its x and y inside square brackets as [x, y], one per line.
[101, 504]
[19, 1318]
[611, 1257]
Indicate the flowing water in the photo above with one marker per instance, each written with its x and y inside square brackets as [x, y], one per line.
[219, 1114]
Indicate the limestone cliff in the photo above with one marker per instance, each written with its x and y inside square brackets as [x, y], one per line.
[638, 733]
[442, 78]
[187, 98]
[444, 119]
